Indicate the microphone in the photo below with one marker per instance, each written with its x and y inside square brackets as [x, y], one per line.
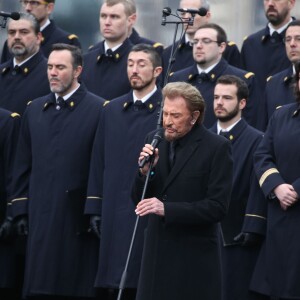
[165, 12]
[201, 11]
[13, 15]
[159, 135]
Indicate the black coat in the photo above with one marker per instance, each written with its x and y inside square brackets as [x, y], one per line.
[19, 87]
[50, 182]
[9, 125]
[277, 161]
[181, 251]
[113, 167]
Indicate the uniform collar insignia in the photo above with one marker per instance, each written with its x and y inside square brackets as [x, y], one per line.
[296, 112]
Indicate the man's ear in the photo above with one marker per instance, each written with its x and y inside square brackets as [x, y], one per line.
[242, 103]
[77, 71]
[157, 71]
[195, 116]
[50, 8]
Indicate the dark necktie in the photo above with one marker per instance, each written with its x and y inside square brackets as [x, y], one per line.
[60, 103]
[172, 153]
[203, 77]
[138, 105]
[109, 53]
[16, 70]
[275, 37]
[224, 133]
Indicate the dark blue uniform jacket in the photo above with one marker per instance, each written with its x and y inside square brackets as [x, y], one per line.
[107, 76]
[277, 161]
[206, 87]
[51, 35]
[119, 140]
[18, 87]
[50, 182]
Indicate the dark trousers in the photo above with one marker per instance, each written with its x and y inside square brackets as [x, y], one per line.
[42, 297]
[10, 294]
[112, 294]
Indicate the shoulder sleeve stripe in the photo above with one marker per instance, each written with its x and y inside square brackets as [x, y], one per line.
[18, 199]
[255, 216]
[266, 175]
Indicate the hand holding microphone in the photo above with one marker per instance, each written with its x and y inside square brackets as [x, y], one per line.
[149, 150]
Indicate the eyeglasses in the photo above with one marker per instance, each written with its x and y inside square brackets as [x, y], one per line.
[288, 39]
[33, 3]
[204, 41]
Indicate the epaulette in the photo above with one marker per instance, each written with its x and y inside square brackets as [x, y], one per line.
[269, 78]
[249, 74]
[231, 43]
[14, 115]
[105, 103]
[171, 74]
[29, 102]
[245, 38]
[156, 45]
[91, 47]
[72, 37]
[277, 107]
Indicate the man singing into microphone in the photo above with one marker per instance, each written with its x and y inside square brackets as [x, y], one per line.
[188, 195]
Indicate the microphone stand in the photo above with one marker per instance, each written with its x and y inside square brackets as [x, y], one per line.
[124, 274]
[190, 21]
[174, 49]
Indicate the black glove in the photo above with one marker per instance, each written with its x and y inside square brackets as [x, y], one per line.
[95, 224]
[6, 229]
[248, 239]
[21, 225]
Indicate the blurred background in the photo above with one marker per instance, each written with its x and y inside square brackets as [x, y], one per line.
[238, 17]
